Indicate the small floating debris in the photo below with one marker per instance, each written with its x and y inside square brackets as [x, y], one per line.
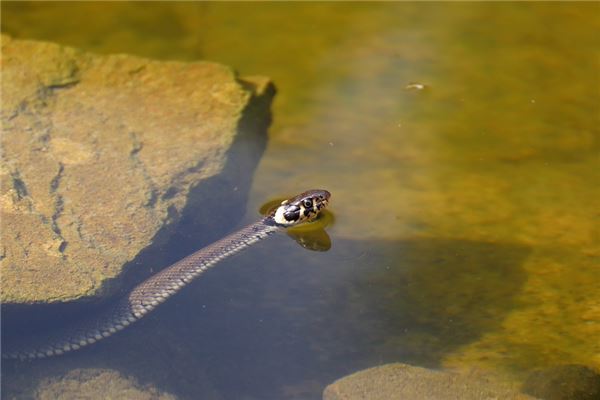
[415, 86]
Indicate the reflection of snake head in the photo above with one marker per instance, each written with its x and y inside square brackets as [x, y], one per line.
[302, 208]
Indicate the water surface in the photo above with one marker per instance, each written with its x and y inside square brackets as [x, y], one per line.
[466, 219]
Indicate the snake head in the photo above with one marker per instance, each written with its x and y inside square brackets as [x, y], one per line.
[302, 208]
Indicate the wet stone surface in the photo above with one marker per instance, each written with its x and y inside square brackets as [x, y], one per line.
[100, 155]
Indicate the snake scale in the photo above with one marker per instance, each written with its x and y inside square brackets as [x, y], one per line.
[146, 296]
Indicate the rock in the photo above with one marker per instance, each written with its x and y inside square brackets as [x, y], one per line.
[100, 155]
[96, 384]
[400, 381]
[564, 382]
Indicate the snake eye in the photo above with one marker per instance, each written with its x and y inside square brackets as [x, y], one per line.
[307, 203]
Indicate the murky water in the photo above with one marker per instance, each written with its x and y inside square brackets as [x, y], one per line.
[466, 219]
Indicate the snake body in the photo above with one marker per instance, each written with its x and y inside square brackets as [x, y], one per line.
[146, 296]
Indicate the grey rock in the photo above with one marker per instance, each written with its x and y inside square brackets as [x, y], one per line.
[405, 382]
[564, 382]
[100, 155]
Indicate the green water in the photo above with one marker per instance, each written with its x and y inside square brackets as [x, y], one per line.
[492, 167]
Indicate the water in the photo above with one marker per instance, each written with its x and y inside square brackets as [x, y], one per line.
[465, 233]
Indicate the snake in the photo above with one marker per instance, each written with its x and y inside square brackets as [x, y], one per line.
[149, 294]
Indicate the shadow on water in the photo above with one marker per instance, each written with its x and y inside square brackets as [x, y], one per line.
[280, 322]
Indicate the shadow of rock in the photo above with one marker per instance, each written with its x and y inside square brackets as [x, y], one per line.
[280, 322]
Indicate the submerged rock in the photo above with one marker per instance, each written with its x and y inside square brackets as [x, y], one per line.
[401, 381]
[100, 155]
[564, 382]
[97, 383]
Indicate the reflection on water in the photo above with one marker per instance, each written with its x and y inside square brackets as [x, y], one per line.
[465, 234]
